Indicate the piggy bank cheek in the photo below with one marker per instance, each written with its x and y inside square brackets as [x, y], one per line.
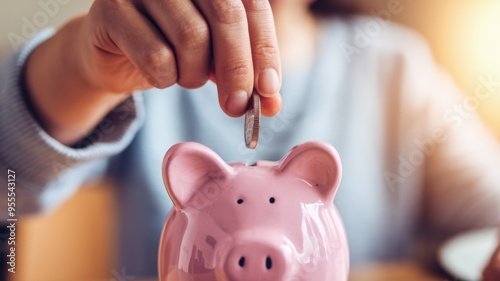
[226, 213]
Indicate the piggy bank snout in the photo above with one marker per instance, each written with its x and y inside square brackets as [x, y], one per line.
[256, 259]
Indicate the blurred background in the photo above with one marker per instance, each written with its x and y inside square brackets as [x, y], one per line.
[71, 244]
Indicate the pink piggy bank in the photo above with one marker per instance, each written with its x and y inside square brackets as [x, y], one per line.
[270, 221]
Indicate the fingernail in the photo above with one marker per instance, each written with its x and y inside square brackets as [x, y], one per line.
[269, 82]
[237, 103]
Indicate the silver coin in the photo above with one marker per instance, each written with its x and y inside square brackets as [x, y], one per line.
[252, 121]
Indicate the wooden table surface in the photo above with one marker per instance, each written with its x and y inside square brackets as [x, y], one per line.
[403, 271]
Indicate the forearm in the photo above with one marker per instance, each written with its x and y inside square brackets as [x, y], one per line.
[65, 101]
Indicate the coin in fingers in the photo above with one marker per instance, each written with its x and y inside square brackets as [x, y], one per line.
[252, 121]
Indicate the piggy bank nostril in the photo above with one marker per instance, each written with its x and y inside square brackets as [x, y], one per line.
[241, 262]
[269, 263]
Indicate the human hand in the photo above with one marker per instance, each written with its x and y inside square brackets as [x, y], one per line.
[492, 270]
[136, 44]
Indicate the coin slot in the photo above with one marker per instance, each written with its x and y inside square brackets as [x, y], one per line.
[252, 164]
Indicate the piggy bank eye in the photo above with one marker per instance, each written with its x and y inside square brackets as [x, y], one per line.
[240, 201]
[272, 200]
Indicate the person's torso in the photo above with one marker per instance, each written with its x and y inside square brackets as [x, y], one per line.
[344, 103]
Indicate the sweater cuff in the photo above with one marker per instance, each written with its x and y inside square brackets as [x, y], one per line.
[27, 149]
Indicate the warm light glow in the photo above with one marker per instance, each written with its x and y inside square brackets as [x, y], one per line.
[483, 35]
[478, 31]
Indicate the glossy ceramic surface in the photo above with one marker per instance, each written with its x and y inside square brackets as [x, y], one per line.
[271, 221]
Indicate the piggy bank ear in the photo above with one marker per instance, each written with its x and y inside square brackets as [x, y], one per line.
[318, 163]
[187, 167]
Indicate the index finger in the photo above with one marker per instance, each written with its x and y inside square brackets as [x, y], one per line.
[265, 54]
[231, 51]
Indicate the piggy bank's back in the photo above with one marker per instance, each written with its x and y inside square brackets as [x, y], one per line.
[268, 221]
